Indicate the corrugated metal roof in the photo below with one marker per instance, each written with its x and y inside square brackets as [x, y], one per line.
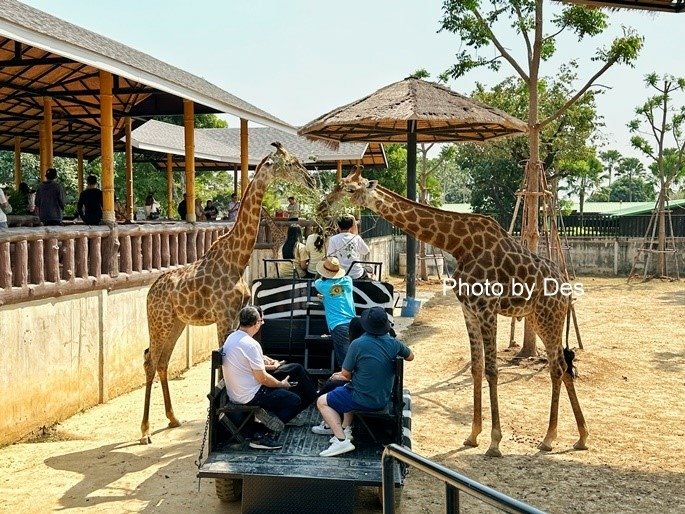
[222, 146]
[22, 23]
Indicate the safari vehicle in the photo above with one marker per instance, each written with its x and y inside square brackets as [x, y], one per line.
[294, 478]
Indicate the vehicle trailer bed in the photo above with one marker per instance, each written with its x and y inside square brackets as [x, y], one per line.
[294, 478]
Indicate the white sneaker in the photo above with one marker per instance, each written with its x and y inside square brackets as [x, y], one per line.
[322, 429]
[348, 435]
[337, 448]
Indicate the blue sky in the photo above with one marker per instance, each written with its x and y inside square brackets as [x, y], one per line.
[298, 59]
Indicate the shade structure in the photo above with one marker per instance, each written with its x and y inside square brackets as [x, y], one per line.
[646, 5]
[410, 111]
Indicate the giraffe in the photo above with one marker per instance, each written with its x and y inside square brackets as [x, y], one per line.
[485, 252]
[212, 289]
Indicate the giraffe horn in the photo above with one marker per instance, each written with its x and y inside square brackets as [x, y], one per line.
[357, 171]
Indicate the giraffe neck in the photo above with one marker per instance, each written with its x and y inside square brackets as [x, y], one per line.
[236, 246]
[442, 229]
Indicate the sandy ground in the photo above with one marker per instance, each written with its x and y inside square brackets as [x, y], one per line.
[631, 388]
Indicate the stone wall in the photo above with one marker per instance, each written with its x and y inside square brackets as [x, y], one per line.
[63, 355]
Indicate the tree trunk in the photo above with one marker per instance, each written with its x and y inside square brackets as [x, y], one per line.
[661, 247]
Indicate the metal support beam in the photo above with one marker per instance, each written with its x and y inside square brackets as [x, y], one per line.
[411, 195]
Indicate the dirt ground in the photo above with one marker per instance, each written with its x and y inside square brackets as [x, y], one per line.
[631, 388]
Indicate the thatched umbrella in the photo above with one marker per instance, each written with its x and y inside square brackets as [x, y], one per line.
[411, 111]
[647, 5]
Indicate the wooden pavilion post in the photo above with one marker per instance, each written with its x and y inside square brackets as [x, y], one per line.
[41, 152]
[129, 170]
[235, 178]
[79, 168]
[244, 157]
[170, 184]
[189, 131]
[17, 163]
[107, 147]
[338, 171]
[46, 156]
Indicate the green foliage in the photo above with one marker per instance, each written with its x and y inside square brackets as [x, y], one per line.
[610, 159]
[201, 120]
[658, 128]
[627, 189]
[581, 176]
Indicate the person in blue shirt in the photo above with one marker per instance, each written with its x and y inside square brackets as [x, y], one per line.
[335, 289]
[369, 368]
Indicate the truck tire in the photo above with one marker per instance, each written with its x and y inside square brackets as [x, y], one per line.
[397, 498]
[228, 489]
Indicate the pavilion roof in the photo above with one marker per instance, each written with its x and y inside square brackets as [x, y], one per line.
[44, 56]
[648, 5]
[219, 148]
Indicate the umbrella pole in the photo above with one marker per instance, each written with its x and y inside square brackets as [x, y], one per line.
[411, 195]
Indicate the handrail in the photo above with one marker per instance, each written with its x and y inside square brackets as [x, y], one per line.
[454, 483]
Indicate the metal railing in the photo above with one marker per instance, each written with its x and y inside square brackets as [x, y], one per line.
[454, 483]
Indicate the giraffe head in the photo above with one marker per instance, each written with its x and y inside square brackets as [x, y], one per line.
[284, 165]
[355, 186]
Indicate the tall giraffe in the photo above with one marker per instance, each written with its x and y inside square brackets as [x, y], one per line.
[485, 252]
[212, 289]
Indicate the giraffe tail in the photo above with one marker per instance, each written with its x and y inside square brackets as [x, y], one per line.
[569, 355]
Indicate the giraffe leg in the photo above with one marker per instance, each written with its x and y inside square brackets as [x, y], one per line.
[149, 377]
[581, 444]
[551, 337]
[546, 444]
[489, 332]
[476, 347]
[173, 420]
[163, 336]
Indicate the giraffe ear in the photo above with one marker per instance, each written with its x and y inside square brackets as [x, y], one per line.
[372, 184]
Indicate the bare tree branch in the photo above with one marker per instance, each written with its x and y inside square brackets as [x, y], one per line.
[524, 32]
[510, 59]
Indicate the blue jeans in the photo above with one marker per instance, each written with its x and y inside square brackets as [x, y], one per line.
[284, 404]
[341, 342]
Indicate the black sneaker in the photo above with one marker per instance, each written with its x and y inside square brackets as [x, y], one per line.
[268, 442]
[270, 421]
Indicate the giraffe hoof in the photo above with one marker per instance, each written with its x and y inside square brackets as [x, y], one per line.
[145, 440]
[493, 452]
[469, 442]
[174, 423]
[580, 445]
[543, 446]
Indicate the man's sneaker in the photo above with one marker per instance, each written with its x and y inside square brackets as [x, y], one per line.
[337, 448]
[322, 429]
[270, 421]
[267, 442]
[348, 435]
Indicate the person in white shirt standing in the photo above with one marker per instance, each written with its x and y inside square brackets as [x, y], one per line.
[348, 246]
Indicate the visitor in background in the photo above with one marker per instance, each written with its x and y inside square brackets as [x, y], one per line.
[5, 209]
[210, 211]
[293, 208]
[152, 209]
[295, 251]
[50, 199]
[233, 207]
[182, 211]
[199, 211]
[348, 246]
[315, 251]
[119, 210]
[89, 206]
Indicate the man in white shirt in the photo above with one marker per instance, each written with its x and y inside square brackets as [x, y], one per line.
[5, 208]
[348, 246]
[249, 383]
